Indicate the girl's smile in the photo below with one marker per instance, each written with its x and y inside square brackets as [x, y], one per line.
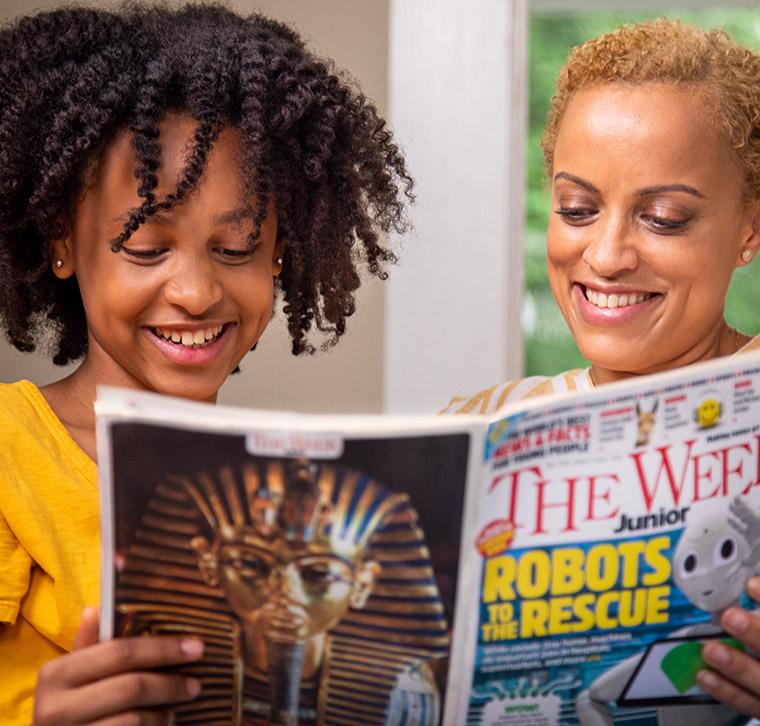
[180, 304]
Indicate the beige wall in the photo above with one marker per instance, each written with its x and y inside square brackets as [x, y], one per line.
[355, 34]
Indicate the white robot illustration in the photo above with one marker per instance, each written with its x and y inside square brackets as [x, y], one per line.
[714, 558]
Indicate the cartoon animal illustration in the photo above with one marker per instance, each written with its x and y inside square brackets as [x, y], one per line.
[718, 552]
[645, 421]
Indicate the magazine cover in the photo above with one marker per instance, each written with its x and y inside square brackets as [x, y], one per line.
[613, 529]
[319, 565]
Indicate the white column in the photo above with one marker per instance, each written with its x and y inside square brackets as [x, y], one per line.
[458, 104]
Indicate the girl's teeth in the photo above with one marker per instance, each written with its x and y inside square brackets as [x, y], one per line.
[602, 300]
[189, 338]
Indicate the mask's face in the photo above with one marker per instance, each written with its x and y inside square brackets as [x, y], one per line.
[294, 590]
[708, 564]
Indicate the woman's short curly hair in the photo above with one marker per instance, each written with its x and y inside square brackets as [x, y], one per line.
[70, 79]
[726, 75]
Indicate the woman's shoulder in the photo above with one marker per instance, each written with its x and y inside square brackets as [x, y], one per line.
[496, 397]
[753, 344]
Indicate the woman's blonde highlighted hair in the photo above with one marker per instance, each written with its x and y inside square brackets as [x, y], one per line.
[725, 74]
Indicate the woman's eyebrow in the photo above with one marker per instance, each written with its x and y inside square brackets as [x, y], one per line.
[576, 180]
[670, 188]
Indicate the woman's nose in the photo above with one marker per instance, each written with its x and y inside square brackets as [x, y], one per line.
[194, 285]
[611, 248]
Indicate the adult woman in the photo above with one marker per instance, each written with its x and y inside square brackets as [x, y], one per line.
[653, 151]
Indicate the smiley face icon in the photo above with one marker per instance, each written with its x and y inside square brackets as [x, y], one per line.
[709, 409]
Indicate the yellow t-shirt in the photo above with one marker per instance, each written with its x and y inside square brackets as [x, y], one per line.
[49, 543]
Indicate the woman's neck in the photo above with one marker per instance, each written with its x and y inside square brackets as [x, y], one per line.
[724, 341]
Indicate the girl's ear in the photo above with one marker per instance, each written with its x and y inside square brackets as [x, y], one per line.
[751, 242]
[62, 257]
[277, 255]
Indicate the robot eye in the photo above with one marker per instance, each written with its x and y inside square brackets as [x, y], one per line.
[725, 551]
[689, 564]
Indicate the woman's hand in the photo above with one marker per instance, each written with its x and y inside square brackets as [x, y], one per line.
[112, 683]
[735, 676]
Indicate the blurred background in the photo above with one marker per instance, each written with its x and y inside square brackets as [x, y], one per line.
[465, 84]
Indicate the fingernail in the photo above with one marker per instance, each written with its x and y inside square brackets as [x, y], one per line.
[192, 687]
[717, 654]
[192, 647]
[753, 586]
[707, 679]
[737, 621]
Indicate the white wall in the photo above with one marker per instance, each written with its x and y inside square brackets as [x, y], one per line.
[457, 97]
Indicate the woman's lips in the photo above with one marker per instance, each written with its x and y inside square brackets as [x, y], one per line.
[184, 354]
[622, 310]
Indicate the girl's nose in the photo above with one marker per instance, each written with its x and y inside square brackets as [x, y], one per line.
[194, 285]
[611, 248]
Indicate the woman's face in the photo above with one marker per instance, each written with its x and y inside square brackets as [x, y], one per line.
[181, 304]
[647, 226]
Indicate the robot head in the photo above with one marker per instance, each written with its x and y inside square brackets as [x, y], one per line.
[709, 561]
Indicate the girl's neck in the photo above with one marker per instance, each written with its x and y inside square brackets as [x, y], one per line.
[72, 400]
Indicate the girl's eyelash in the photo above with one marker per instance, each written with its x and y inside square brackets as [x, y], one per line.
[144, 254]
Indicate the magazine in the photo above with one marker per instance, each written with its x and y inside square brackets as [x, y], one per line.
[561, 562]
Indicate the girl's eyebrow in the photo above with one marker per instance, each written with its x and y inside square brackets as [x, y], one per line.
[232, 216]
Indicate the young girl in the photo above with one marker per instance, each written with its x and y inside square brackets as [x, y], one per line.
[653, 151]
[163, 174]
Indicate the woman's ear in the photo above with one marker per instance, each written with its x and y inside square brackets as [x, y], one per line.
[62, 257]
[751, 242]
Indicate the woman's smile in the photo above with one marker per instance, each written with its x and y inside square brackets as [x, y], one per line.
[612, 305]
[648, 226]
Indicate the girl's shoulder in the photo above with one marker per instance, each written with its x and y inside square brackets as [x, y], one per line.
[30, 428]
[496, 397]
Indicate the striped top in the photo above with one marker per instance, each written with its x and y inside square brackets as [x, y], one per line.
[492, 399]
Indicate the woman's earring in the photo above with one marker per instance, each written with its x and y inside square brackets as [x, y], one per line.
[747, 256]
[279, 260]
[59, 264]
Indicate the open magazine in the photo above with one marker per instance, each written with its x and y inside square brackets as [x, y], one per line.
[562, 562]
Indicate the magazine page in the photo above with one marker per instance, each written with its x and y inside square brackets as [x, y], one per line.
[317, 557]
[614, 527]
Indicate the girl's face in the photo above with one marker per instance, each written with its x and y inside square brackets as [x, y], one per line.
[648, 225]
[180, 305]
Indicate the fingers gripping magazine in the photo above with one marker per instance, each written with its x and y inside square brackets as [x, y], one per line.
[563, 563]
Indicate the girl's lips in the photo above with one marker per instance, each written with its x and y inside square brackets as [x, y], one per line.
[595, 315]
[185, 355]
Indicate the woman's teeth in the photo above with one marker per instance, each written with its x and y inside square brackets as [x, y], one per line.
[189, 338]
[616, 301]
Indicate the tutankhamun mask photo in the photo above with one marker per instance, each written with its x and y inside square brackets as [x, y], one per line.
[310, 584]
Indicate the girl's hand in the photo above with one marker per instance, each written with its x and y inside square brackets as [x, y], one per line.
[112, 683]
[735, 679]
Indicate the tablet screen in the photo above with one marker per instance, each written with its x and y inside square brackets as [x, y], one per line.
[667, 672]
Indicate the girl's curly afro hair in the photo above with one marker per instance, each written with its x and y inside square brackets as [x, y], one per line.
[70, 79]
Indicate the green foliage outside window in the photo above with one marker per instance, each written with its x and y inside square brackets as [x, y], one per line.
[549, 347]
